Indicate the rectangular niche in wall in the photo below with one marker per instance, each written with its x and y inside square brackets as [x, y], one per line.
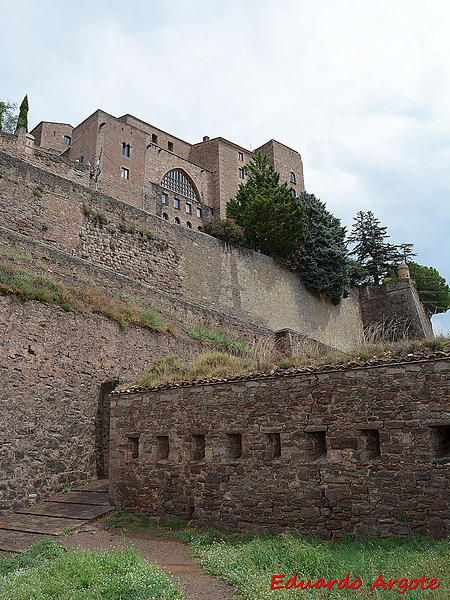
[234, 445]
[369, 444]
[162, 447]
[132, 451]
[440, 441]
[198, 447]
[317, 443]
[273, 442]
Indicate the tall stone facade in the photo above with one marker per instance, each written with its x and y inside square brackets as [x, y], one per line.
[136, 157]
[354, 450]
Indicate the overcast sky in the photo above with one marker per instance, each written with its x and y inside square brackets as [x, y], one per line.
[360, 88]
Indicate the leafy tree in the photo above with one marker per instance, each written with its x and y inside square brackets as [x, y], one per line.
[322, 262]
[372, 250]
[434, 293]
[22, 121]
[225, 230]
[273, 221]
[8, 116]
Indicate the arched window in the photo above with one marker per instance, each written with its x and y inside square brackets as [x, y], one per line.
[179, 182]
[165, 216]
[200, 228]
[189, 225]
[293, 192]
[177, 220]
[125, 149]
[293, 178]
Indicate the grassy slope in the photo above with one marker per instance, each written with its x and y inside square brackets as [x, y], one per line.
[46, 572]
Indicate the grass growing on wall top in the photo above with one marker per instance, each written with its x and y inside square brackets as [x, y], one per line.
[217, 336]
[47, 572]
[24, 285]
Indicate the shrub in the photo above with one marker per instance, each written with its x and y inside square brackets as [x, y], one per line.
[225, 230]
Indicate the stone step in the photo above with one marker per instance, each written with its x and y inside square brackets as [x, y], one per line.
[100, 485]
[88, 497]
[67, 510]
[40, 523]
[18, 541]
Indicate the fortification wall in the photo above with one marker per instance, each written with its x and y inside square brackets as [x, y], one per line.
[237, 282]
[52, 368]
[358, 451]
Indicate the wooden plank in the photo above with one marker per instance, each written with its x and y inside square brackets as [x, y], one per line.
[40, 523]
[66, 510]
[96, 498]
[18, 541]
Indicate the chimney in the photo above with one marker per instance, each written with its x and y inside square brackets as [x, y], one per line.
[403, 271]
[206, 138]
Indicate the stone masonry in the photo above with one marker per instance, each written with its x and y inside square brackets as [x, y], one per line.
[355, 450]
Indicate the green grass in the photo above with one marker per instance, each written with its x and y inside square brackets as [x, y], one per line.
[24, 285]
[248, 562]
[46, 572]
[221, 338]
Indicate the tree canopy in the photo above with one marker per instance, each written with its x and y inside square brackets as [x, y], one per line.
[8, 116]
[321, 261]
[374, 255]
[22, 120]
[433, 291]
[273, 221]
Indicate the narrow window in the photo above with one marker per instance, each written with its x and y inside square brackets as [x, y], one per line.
[440, 439]
[317, 444]
[240, 156]
[170, 146]
[292, 177]
[177, 220]
[241, 173]
[199, 213]
[200, 228]
[162, 447]
[368, 444]
[234, 445]
[164, 198]
[176, 203]
[67, 140]
[124, 173]
[165, 216]
[293, 192]
[188, 208]
[189, 225]
[132, 451]
[154, 138]
[198, 447]
[273, 441]
[125, 149]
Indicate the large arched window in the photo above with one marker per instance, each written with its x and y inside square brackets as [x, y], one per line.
[179, 182]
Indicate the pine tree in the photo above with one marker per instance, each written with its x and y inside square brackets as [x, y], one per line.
[273, 221]
[371, 249]
[434, 293]
[322, 262]
[22, 120]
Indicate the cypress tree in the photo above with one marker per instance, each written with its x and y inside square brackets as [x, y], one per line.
[22, 121]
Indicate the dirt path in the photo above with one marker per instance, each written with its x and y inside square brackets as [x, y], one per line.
[167, 553]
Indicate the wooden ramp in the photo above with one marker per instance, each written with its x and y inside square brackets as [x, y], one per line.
[61, 512]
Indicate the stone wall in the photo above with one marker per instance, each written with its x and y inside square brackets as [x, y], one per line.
[360, 450]
[53, 366]
[239, 283]
[395, 302]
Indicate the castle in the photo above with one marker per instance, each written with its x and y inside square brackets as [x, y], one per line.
[158, 172]
[93, 209]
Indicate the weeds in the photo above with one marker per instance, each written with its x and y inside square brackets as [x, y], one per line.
[206, 333]
[23, 285]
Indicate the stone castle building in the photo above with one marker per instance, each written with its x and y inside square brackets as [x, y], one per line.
[160, 173]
